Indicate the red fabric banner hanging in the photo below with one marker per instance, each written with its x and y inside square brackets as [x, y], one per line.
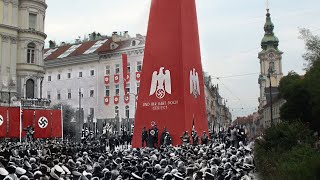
[56, 125]
[3, 122]
[14, 122]
[124, 71]
[106, 79]
[127, 98]
[42, 126]
[138, 75]
[116, 99]
[106, 100]
[116, 78]
[27, 119]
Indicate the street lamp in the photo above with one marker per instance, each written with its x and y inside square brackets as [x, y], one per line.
[270, 72]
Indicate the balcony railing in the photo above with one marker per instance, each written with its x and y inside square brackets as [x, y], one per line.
[35, 102]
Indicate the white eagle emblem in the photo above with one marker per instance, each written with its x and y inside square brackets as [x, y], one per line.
[160, 83]
[194, 83]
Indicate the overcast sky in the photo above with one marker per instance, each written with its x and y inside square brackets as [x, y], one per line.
[230, 35]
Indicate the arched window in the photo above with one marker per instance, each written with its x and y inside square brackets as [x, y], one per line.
[30, 88]
[30, 53]
[127, 111]
[133, 43]
[116, 111]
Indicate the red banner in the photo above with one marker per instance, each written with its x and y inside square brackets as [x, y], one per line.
[56, 126]
[138, 75]
[171, 90]
[14, 122]
[124, 71]
[106, 100]
[127, 78]
[127, 98]
[3, 122]
[42, 124]
[106, 79]
[27, 120]
[116, 99]
[116, 78]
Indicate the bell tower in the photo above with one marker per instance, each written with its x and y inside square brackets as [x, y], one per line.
[270, 63]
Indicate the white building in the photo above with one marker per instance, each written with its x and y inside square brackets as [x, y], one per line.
[21, 49]
[95, 68]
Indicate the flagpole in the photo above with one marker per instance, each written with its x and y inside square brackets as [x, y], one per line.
[61, 122]
[20, 122]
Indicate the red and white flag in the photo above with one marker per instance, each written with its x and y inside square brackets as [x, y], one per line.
[43, 124]
[125, 71]
[138, 75]
[106, 100]
[127, 98]
[106, 79]
[116, 78]
[14, 122]
[3, 122]
[56, 122]
[116, 99]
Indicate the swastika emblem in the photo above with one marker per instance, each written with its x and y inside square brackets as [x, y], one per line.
[43, 122]
[1, 120]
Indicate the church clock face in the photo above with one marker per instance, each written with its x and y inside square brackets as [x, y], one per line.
[271, 56]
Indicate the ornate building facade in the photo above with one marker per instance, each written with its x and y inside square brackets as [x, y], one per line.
[21, 49]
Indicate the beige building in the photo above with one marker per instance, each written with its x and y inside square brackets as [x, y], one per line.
[21, 49]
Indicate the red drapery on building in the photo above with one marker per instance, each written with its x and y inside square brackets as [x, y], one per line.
[124, 71]
[3, 122]
[42, 124]
[14, 122]
[56, 124]
[27, 119]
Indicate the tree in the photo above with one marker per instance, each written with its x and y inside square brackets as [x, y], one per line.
[68, 116]
[297, 106]
[312, 43]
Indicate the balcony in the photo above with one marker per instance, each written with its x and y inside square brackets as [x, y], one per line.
[35, 103]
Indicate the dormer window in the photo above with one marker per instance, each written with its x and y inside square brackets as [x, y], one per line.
[30, 53]
[32, 21]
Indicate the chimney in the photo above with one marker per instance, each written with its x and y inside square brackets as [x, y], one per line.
[115, 36]
[52, 44]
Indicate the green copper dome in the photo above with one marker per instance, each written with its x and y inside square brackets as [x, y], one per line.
[269, 40]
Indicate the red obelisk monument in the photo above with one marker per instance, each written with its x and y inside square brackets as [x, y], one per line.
[171, 89]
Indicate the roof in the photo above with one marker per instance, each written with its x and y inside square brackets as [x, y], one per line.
[100, 46]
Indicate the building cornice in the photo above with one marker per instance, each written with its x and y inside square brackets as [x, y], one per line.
[31, 31]
[41, 2]
[131, 51]
[9, 27]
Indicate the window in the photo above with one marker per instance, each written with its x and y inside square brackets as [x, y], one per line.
[69, 75]
[107, 91]
[30, 53]
[91, 93]
[80, 74]
[117, 68]
[128, 87]
[92, 73]
[81, 91]
[127, 111]
[117, 90]
[139, 66]
[49, 78]
[133, 43]
[116, 111]
[91, 112]
[32, 21]
[58, 76]
[128, 67]
[48, 95]
[107, 69]
[69, 93]
[58, 95]
[138, 86]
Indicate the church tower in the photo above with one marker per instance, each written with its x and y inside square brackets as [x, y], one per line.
[270, 63]
[21, 49]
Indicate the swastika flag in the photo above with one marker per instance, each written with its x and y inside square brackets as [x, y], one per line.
[42, 124]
